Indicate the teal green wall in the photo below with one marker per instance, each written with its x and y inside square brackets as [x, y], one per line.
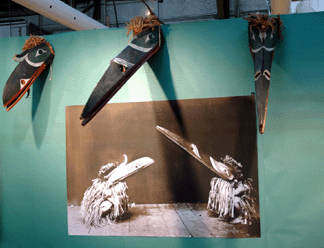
[198, 60]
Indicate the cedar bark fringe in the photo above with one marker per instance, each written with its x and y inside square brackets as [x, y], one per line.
[139, 24]
[262, 22]
[231, 200]
[34, 41]
[221, 198]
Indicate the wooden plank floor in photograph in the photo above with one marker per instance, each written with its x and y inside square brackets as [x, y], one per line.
[165, 220]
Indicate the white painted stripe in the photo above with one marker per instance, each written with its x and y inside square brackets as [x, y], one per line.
[123, 62]
[21, 58]
[34, 64]
[142, 49]
[263, 47]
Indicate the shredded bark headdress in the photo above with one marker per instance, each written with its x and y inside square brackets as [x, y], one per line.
[34, 41]
[262, 22]
[139, 23]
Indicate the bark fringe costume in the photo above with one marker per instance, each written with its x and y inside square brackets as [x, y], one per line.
[104, 203]
[231, 200]
[107, 200]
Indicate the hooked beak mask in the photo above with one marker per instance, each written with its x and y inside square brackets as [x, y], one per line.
[145, 44]
[264, 33]
[32, 61]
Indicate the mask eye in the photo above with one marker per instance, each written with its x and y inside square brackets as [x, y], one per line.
[149, 37]
[40, 52]
[253, 36]
[226, 172]
[271, 36]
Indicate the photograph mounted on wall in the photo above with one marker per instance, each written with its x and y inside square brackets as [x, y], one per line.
[178, 168]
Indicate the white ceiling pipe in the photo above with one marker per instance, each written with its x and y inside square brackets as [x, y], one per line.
[62, 13]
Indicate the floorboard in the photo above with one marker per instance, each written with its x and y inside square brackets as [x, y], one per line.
[195, 226]
[165, 220]
[173, 222]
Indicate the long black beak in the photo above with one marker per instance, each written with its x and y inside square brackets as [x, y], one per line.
[121, 68]
[262, 69]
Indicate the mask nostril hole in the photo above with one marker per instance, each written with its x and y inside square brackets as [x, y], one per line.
[267, 74]
[257, 75]
[122, 68]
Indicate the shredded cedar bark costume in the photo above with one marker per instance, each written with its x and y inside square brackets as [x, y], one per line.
[34, 41]
[232, 200]
[104, 203]
[262, 22]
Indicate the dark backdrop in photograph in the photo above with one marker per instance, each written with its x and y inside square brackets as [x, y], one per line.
[217, 126]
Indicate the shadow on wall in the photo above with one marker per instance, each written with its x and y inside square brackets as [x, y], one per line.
[40, 114]
[160, 65]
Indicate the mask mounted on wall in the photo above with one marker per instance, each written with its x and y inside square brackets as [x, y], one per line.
[147, 40]
[37, 54]
[264, 33]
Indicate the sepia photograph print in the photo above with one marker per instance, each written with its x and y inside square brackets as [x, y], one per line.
[178, 168]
